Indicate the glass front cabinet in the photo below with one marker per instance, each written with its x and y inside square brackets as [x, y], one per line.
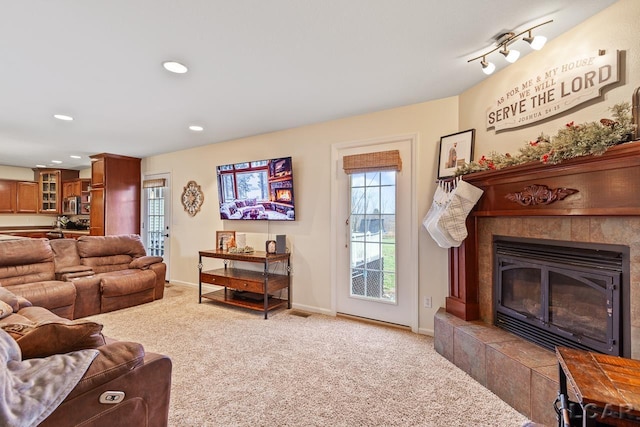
[50, 188]
[49, 184]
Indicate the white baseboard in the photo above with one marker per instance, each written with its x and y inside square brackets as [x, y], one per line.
[205, 286]
[312, 309]
[302, 307]
[425, 331]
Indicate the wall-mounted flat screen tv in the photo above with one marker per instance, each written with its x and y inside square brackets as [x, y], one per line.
[257, 190]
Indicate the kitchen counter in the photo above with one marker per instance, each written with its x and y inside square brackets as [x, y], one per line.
[4, 237]
[39, 231]
[80, 232]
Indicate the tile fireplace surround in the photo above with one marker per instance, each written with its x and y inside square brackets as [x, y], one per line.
[605, 209]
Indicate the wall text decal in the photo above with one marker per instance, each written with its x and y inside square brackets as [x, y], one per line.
[557, 89]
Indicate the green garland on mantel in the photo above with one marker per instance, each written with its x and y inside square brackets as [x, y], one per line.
[593, 138]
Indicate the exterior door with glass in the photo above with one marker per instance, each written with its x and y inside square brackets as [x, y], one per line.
[376, 276]
[157, 216]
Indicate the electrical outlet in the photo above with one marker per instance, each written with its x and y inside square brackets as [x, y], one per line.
[427, 302]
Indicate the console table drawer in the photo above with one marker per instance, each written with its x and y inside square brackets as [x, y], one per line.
[246, 285]
[213, 279]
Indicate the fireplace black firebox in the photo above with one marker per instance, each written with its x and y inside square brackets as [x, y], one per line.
[569, 294]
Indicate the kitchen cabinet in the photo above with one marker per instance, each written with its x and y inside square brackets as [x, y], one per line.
[50, 188]
[115, 195]
[79, 188]
[18, 196]
[67, 189]
[85, 196]
[26, 197]
[75, 187]
[7, 196]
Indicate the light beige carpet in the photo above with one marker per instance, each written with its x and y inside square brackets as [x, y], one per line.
[233, 368]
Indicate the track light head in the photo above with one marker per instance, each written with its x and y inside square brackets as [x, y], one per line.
[536, 42]
[487, 67]
[511, 55]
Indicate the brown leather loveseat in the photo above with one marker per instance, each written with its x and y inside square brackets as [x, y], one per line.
[75, 279]
[122, 386]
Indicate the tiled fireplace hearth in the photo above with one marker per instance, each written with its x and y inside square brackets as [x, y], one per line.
[603, 207]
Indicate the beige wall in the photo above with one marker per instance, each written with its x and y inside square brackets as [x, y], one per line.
[615, 28]
[310, 235]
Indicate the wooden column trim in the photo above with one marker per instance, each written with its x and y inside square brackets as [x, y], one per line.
[463, 300]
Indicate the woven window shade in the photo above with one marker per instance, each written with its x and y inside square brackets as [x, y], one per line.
[382, 160]
[154, 183]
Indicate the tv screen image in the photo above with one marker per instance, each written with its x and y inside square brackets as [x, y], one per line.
[257, 190]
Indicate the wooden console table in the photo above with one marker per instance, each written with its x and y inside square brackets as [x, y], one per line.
[607, 387]
[246, 288]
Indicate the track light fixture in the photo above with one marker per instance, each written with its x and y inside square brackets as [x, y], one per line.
[511, 55]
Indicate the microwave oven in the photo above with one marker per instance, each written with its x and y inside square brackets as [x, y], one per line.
[71, 206]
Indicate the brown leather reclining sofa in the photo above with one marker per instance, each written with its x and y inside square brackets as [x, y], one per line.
[142, 381]
[79, 278]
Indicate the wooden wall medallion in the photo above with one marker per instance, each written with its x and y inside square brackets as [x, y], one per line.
[192, 198]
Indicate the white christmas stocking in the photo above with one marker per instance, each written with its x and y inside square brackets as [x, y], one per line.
[463, 199]
[430, 222]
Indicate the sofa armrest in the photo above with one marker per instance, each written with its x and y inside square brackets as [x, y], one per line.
[23, 303]
[115, 359]
[144, 262]
[68, 277]
[73, 271]
[15, 301]
[146, 391]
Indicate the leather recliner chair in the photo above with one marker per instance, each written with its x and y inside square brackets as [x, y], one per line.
[123, 386]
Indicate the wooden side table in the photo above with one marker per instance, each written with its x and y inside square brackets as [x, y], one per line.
[607, 388]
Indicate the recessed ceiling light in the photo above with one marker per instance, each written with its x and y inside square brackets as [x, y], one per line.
[196, 128]
[75, 157]
[57, 162]
[41, 166]
[175, 67]
[63, 117]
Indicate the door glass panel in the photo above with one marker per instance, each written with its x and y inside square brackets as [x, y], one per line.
[522, 291]
[586, 315]
[155, 219]
[372, 240]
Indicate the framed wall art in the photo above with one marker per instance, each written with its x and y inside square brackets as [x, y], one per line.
[455, 150]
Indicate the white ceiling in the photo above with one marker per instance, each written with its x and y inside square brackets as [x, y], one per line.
[256, 66]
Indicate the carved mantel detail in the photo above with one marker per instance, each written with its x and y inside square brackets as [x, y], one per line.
[540, 195]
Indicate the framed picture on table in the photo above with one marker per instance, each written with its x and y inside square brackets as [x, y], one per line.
[223, 238]
[455, 150]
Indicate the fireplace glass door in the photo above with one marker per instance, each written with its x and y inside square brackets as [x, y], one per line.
[558, 298]
[524, 295]
[588, 315]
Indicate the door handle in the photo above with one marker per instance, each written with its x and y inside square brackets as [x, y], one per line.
[166, 235]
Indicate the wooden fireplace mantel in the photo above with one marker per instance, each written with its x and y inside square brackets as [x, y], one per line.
[606, 185]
